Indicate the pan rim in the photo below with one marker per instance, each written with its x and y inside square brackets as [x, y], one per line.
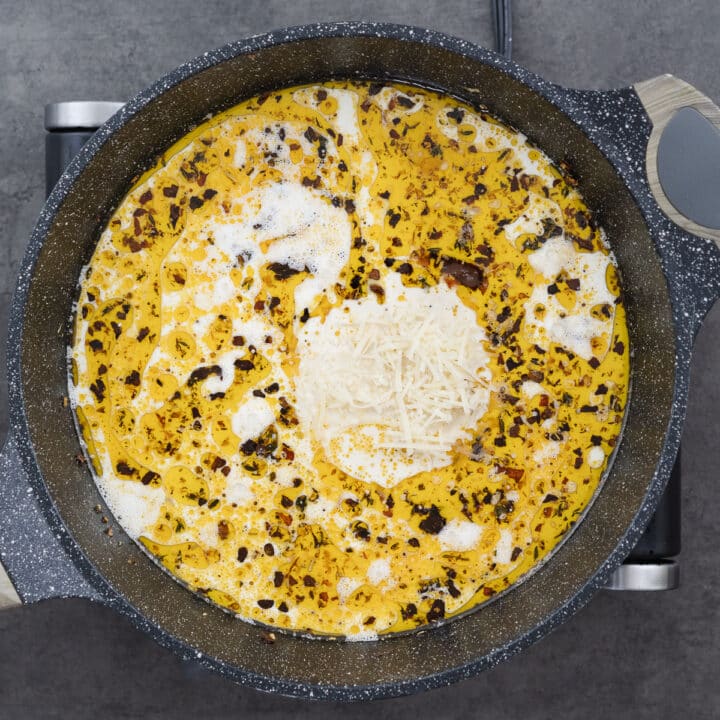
[21, 430]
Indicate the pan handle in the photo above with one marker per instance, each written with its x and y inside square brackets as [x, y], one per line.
[683, 153]
[34, 564]
[8, 595]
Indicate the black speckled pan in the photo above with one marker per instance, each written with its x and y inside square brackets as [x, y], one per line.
[51, 541]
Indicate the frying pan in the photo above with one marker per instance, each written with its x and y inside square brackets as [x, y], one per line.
[662, 229]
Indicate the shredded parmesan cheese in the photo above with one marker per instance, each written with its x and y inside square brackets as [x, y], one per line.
[388, 389]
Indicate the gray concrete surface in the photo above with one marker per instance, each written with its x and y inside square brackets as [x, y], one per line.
[624, 656]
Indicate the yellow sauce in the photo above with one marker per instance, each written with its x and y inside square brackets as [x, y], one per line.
[189, 341]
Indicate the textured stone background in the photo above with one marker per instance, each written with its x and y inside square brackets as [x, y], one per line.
[634, 656]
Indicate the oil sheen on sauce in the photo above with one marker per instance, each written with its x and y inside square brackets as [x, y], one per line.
[350, 359]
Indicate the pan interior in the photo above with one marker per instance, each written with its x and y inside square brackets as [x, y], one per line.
[69, 243]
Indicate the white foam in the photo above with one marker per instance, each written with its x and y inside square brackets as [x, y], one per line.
[238, 490]
[240, 153]
[378, 571]
[531, 219]
[252, 417]
[573, 328]
[134, 505]
[301, 229]
[595, 457]
[460, 535]
[530, 389]
[346, 587]
[503, 549]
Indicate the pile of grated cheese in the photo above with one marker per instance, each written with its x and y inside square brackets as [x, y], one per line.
[388, 389]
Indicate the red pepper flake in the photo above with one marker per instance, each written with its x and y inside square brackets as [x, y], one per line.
[278, 578]
[266, 604]
[410, 610]
[196, 202]
[309, 581]
[581, 220]
[467, 274]
[515, 554]
[124, 469]
[174, 214]
[245, 365]
[285, 518]
[281, 271]
[145, 197]
[149, 477]
[513, 473]
[581, 242]
[202, 373]
[268, 637]
[248, 447]
[242, 554]
[404, 269]
[209, 194]
[223, 530]
[268, 549]
[134, 245]
[433, 522]
[171, 191]
[619, 347]
[437, 611]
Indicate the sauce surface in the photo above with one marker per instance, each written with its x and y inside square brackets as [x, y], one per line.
[350, 359]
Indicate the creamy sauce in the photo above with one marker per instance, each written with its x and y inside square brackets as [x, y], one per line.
[350, 359]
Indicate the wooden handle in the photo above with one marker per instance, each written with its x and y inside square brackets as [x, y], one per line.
[8, 596]
[662, 98]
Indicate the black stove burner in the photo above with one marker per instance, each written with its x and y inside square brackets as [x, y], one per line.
[650, 566]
